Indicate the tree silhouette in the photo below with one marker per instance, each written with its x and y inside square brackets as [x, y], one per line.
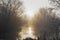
[47, 24]
[10, 23]
[55, 3]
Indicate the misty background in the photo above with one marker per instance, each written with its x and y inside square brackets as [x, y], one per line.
[46, 21]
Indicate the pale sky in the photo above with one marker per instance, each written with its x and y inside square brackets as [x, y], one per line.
[34, 5]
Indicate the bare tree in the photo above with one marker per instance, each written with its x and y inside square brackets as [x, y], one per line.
[10, 23]
[55, 3]
[47, 24]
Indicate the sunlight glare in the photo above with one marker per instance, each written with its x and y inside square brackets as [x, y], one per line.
[29, 30]
[29, 14]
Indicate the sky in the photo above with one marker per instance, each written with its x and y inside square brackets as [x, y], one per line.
[33, 5]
